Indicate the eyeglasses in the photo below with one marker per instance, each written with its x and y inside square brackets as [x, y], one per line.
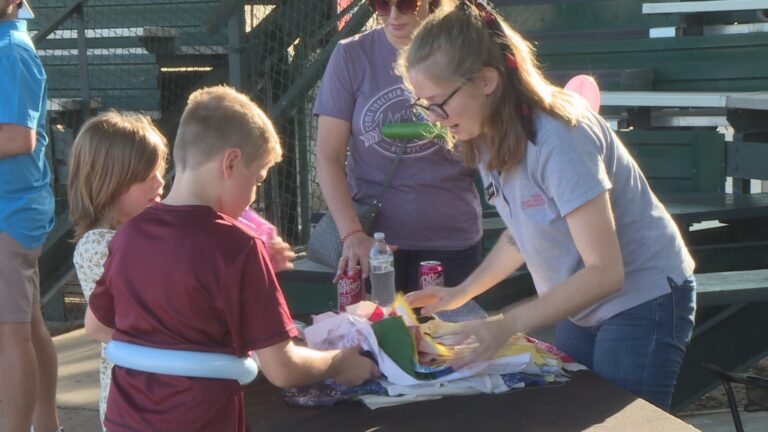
[384, 7]
[437, 109]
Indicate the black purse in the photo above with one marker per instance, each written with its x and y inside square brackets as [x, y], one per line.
[325, 244]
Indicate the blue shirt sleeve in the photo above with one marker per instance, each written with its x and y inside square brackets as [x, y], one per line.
[22, 87]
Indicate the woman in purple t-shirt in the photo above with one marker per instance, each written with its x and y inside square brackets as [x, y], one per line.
[431, 210]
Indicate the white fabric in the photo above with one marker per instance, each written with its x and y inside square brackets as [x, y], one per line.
[399, 395]
[332, 331]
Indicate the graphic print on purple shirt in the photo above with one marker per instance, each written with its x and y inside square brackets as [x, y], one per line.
[432, 203]
[392, 106]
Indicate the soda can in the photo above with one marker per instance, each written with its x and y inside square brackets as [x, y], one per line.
[430, 274]
[349, 288]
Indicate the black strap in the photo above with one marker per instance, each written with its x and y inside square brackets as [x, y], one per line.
[390, 175]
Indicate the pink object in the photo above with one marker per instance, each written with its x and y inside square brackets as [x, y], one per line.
[349, 288]
[258, 225]
[586, 87]
[430, 274]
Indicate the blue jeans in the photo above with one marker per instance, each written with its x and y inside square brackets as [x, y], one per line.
[640, 349]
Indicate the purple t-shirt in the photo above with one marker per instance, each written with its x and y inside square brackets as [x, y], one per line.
[432, 202]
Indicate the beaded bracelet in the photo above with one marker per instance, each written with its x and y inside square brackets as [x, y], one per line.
[350, 234]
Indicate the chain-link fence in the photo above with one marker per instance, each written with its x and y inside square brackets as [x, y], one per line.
[150, 55]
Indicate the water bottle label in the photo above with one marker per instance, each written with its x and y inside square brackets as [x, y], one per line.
[382, 265]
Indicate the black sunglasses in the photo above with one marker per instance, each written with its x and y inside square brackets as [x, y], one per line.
[437, 109]
[384, 7]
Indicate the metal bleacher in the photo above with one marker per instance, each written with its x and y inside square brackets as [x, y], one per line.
[129, 45]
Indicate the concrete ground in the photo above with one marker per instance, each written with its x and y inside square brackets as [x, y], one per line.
[78, 391]
[77, 395]
[721, 421]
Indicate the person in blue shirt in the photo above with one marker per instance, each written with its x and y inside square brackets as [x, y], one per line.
[27, 355]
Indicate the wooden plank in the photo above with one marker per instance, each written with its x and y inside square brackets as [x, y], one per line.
[725, 288]
[105, 77]
[537, 18]
[120, 14]
[97, 57]
[740, 100]
[690, 208]
[679, 161]
[686, 7]
[727, 63]
[747, 159]
[147, 100]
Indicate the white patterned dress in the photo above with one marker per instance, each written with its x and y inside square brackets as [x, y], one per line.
[90, 254]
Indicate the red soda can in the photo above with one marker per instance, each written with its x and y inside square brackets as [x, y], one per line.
[430, 274]
[349, 288]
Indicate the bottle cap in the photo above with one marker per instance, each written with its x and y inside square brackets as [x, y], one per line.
[378, 236]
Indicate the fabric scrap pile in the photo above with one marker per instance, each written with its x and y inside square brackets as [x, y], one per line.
[414, 358]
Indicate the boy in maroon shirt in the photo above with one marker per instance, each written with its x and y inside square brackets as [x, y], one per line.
[184, 275]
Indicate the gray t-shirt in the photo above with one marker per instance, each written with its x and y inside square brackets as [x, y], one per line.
[565, 168]
[432, 202]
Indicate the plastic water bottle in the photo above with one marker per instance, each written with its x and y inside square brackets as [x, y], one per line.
[382, 263]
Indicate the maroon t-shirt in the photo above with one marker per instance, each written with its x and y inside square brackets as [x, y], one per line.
[186, 278]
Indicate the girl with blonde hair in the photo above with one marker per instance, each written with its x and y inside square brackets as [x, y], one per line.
[116, 170]
[609, 263]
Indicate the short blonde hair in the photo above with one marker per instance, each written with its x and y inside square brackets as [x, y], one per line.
[218, 118]
[111, 152]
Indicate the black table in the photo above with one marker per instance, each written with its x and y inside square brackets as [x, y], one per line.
[585, 402]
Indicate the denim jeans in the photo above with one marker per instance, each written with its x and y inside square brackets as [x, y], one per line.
[640, 349]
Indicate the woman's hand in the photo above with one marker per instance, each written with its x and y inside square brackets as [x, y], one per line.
[281, 254]
[436, 299]
[491, 335]
[355, 253]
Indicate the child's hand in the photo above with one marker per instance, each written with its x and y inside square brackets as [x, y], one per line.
[351, 368]
[281, 254]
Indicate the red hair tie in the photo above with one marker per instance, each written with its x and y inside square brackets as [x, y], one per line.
[486, 15]
[511, 61]
[525, 111]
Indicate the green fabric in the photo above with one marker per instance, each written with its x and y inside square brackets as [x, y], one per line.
[395, 339]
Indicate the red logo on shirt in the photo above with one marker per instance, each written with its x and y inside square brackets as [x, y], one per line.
[535, 200]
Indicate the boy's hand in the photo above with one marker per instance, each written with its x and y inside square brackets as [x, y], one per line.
[281, 254]
[351, 368]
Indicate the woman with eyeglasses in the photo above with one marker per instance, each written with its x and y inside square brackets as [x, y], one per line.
[431, 210]
[609, 264]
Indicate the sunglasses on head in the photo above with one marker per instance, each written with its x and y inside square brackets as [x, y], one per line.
[384, 7]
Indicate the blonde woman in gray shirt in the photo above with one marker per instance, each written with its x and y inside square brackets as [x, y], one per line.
[608, 262]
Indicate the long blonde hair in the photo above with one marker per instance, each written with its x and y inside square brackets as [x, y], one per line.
[457, 44]
[111, 152]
